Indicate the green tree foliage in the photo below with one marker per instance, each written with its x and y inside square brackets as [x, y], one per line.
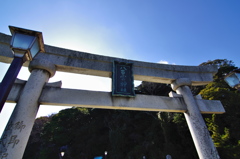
[224, 67]
[224, 128]
[124, 134]
[34, 147]
[150, 88]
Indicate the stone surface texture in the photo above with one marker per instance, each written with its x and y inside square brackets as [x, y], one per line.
[15, 136]
[84, 98]
[200, 134]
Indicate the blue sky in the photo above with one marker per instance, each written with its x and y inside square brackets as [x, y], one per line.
[182, 32]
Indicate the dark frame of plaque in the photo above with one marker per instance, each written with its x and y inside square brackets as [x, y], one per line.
[122, 79]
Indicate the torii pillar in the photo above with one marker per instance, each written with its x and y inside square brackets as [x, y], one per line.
[16, 134]
[200, 134]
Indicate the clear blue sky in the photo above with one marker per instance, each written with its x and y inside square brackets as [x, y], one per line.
[182, 32]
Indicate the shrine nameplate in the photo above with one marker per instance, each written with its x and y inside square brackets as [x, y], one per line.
[122, 80]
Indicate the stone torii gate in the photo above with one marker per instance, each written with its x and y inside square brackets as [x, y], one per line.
[29, 95]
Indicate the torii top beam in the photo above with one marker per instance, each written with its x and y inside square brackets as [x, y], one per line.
[90, 64]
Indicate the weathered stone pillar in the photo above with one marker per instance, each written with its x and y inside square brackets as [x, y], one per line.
[200, 134]
[16, 134]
